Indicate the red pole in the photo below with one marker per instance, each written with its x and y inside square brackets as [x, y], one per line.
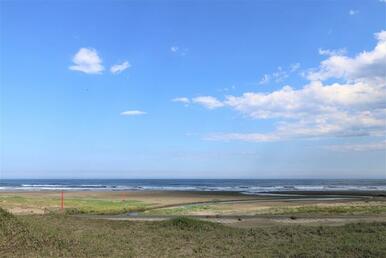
[62, 201]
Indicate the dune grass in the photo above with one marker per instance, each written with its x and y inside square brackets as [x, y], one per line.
[379, 208]
[73, 205]
[362, 208]
[181, 210]
[115, 205]
[61, 235]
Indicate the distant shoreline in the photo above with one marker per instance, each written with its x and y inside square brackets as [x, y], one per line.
[318, 194]
[249, 187]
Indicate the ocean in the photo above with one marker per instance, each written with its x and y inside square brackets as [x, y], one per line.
[247, 186]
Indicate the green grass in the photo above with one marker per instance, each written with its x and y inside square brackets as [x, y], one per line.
[94, 205]
[348, 210]
[74, 205]
[182, 210]
[103, 206]
[61, 235]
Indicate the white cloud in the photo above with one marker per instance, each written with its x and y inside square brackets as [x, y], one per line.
[247, 137]
[133, 113]
[364, 66]
[118, 68]
[181, 100]
[374, 146]
[354, 106]
[312, 98]
[318, 110]
[353, 12]
[208, 102]
[87, 60]
[280, 75]
[332, 52]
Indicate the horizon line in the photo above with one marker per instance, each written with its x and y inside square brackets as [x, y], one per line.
[250, 178]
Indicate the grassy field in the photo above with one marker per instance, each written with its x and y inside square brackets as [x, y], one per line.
[103, 202]
[354, 208]
[62, 235]
[183, 203]
[87, 205]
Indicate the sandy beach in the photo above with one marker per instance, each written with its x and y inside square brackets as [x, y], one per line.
[222, 207]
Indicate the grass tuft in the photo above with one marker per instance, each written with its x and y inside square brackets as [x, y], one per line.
[185, 223]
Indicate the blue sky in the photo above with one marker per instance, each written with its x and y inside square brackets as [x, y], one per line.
[193, 89]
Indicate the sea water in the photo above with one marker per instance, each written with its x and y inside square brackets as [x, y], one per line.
[249, 186]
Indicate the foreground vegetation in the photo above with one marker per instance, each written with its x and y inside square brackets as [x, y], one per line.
[61, 235]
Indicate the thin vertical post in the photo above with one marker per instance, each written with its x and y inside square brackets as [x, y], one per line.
[62, 201]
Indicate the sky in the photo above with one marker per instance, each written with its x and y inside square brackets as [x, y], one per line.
[193, 89]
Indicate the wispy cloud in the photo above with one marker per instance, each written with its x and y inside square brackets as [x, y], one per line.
[265, 79]
[133, 113]
[246, 137]
[353, 12]
[86, 60]
[118, 68]
[210, 155]
[294, 67]
[227, 89]
[179, 50]
[332, 52]
[174, 48]
[183, 100]
[280, 74]
[208, 102]
[374, 146]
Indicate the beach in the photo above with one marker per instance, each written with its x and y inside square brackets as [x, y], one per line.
[192, 223]
[218, 206]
